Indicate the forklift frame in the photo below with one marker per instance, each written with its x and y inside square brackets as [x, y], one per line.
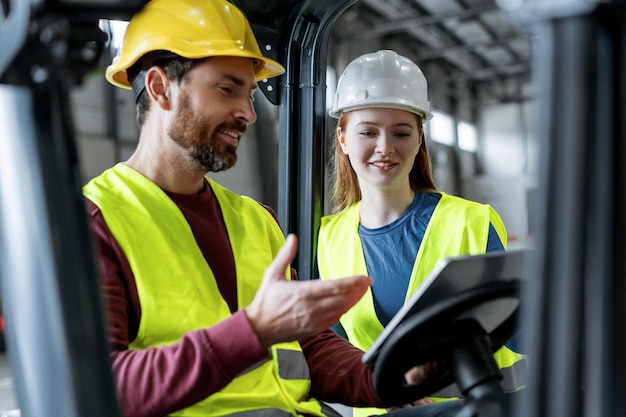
[573, 325]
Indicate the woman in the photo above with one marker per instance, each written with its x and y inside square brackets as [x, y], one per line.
[390, 222]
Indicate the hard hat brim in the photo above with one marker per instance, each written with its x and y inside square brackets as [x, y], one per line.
[425, 115]
[264, 67]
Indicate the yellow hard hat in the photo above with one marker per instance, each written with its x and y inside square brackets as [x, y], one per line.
[192, 29]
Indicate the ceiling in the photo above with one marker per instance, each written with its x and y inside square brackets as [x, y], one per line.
[472, 47]
[469, 50]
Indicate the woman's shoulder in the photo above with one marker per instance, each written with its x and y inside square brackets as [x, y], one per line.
[469, 208]
[348, 214]
[461, 201]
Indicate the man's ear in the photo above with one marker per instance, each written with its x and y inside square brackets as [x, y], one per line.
[157, 87]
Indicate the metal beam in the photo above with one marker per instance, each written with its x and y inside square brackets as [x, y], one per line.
[403, 24]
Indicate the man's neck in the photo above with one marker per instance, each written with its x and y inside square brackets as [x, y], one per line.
[171, 174]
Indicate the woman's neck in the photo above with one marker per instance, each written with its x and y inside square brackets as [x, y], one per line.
[381, 207]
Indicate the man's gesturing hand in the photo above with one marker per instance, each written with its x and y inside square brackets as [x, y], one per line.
[285, 310]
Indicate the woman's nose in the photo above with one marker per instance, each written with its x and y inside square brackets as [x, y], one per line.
[384, 146]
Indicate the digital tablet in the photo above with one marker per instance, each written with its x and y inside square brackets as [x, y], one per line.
[452, 276]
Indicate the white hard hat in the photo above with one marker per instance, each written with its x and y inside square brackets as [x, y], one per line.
[382, 79]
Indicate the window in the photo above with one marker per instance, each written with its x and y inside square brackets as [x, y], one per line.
[117, 29]
[467, 136]
[441, 128]
[331, 87]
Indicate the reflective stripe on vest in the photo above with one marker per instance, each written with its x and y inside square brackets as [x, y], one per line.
[457, 227]
[178, 292]
[264, 412]
[273, 412]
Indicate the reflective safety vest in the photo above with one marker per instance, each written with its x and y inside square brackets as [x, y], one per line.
[457, 227]
[178, 292]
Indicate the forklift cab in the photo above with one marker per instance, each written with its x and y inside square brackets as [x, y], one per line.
[572, 312]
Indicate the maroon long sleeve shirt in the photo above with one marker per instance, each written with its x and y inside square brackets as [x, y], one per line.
[158, 381]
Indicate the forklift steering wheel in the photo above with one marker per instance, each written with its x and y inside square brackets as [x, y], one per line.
[461, 333]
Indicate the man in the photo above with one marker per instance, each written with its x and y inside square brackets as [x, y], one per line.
[203, 321]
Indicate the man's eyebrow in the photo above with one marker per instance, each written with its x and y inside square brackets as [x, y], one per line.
[234, 79]
[238, 81]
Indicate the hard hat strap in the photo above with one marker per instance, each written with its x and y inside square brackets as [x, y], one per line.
[147, 61]
[139, 84]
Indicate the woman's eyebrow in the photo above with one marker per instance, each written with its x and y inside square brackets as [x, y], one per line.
[377, 124]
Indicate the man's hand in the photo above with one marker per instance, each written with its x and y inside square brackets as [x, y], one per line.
[284, 310]
[416, 376]
[419, 374]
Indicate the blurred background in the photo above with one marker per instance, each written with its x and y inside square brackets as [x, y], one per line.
[476, 57]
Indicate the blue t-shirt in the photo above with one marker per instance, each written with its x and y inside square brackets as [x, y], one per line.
[390, 253]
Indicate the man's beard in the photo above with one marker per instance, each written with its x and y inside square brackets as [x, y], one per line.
[196, 134]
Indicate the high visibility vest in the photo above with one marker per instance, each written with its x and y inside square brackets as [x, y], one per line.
[178, 292]
[457, 227]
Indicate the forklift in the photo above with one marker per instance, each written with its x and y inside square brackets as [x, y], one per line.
[572, 301]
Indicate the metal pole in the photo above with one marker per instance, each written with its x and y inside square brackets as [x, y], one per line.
[303, 126]
[55, 329]
[574, 313]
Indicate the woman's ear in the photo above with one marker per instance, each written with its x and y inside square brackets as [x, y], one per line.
[422, 134]
[157, 87]
[342, 140]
